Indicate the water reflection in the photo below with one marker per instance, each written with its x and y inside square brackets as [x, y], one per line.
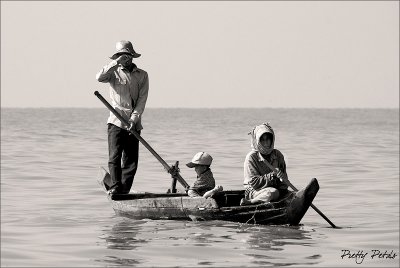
[269, 244]
[123, 237]
[112, 260]
[275, 237]
[213, 243]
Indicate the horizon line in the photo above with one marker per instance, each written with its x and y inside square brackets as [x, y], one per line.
[66, 107]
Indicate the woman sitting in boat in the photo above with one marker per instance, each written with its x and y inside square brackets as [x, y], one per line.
[205, 183]
[261, 183]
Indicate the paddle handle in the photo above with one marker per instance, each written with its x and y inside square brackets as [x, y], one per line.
[314, 207]
[137, 136]
[323, 216]
[286, 180]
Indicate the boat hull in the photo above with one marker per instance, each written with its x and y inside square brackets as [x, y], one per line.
[224, 206]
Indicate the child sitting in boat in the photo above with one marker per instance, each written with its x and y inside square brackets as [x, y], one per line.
[205, 184]
[260, 182]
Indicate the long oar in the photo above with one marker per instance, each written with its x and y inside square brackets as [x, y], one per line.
[286, 180]
[137, 136]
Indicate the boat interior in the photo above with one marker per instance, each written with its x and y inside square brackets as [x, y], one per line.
[228, 198]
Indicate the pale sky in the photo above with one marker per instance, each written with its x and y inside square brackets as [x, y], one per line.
[313, 54]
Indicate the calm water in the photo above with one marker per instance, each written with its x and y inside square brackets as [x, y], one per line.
[53, 213]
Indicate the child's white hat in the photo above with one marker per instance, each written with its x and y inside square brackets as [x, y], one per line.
[201, 158]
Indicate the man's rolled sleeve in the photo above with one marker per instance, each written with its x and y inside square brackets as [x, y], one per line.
[104, 75]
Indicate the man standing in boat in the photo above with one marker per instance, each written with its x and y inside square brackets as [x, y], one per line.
[129, 87]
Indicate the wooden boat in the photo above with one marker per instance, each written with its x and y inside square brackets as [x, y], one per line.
[224, 206]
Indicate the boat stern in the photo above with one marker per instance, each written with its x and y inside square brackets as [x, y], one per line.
[301, 202]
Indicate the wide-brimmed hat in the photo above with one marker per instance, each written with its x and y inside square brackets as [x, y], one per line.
[201, 158]
[124, 47]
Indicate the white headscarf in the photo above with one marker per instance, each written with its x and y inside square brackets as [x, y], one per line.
[256, 134]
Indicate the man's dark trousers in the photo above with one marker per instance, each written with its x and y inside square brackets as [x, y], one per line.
[122, 145]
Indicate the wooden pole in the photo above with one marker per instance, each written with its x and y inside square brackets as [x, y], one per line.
[154, 153]
[286, 180]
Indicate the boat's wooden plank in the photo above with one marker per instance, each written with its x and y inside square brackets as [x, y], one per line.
[145, 195]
